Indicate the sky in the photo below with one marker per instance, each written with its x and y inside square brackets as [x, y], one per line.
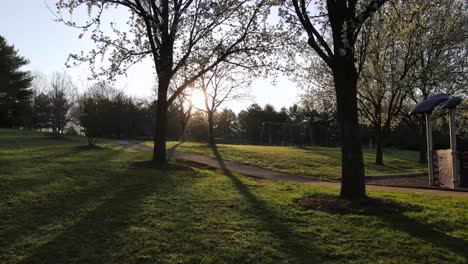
[29, 25]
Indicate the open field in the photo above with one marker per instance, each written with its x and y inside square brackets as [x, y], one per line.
[61, 202]
[315, 162]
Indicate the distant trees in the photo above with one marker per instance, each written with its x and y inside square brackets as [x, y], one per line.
[51, 102]
[251, 121]
[14, 86]
[103, 111]
[226, 125]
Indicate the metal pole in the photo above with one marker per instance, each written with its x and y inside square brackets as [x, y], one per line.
[430, 157]
[453, 147]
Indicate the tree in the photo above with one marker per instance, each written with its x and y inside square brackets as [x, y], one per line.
[88, 117]
[389, 54]
[410, 34]
[222, 84]
[39, 102]
[442, 58]
[60, 104]
[226, 124]
[186, 106]
[342, 20]
[41, 111]
[175, 33]
[14, 85]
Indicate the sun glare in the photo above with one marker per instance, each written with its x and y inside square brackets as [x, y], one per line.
[198, 99]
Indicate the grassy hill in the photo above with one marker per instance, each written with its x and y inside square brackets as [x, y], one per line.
[62, 202]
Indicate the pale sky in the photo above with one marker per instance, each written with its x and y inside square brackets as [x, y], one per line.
[30, 27]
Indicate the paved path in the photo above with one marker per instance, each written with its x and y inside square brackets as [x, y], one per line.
[265, 174]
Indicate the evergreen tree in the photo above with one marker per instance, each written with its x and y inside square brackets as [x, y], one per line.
[14, 86]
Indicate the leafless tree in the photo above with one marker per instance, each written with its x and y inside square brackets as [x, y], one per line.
[60, 102]
[222, 84]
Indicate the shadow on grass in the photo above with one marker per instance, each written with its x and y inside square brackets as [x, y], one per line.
[170, 152]
[281, 231]
[390, 212]
[48, 200]
[39, 161]
[57, 137]
[94, 236]
[88, 148]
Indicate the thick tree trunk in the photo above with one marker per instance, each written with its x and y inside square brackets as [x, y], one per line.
[211, 139]
[159, 150]
[352, 168]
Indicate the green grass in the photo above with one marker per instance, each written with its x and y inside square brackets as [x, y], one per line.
[314, 162]
[61, 202]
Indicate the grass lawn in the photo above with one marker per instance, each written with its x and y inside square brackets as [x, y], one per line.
[315, 162]
[61, 202]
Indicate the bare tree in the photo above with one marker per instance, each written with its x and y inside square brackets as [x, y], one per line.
[60, 103]
[186, 107]
[39, 101]
[222, 84]
[342, 21]
[175, 33]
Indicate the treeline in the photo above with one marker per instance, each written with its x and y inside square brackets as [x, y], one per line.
[102, 111]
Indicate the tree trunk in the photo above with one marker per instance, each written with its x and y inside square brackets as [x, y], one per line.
[159, 150]
[211, 139]
[379, 146]
[352, 168]
[182, 133]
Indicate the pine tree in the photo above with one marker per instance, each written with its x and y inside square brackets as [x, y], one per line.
[14, 86]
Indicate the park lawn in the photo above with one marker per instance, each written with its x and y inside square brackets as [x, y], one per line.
[314, 162]
[61, 202]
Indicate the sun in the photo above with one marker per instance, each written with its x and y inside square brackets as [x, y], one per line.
[198, 99]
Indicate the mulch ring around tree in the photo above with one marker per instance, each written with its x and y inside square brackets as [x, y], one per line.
[333, 204]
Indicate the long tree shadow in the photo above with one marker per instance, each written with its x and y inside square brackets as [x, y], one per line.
[427, 232]
[288, 238]
[170, 152]
[392, 213]
[26, 217]
[14, 185]
[94, 236]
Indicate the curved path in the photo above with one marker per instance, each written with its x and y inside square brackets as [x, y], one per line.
[265, 174]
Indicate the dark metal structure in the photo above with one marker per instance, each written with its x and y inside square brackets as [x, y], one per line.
[447, 160]
[291, 133]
